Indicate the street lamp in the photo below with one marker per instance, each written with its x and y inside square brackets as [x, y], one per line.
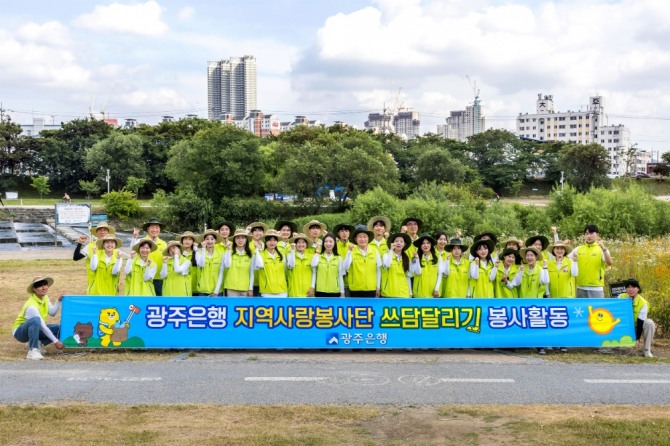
[107, 178]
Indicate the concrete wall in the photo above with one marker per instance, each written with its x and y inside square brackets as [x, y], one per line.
[31, 215]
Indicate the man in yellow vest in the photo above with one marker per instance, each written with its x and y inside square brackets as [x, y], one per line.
[591, 258]
[644, 327]
[30, 325]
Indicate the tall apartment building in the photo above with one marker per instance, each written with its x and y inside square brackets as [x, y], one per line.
[461, 124]
[231, 87]
[404, 123]
[581, 127]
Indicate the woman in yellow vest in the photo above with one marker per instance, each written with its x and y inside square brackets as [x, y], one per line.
[314, 230]
[506, 267]
[480, 269]
[141, 270]
[328, 270]
[101, 230]
[396, 277]
[175, 271]
[532, 278]
[411, 226]
[562, 271]
[299, 264]
[189, 245]
[426, 268]
[239, 273]
[106, 266]
[271, 267]
[153, 229]
[210, 263]
[226, 228]
[456, 270]
[363, 264]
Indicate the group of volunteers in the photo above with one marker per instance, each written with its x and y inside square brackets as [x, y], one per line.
[350, 261]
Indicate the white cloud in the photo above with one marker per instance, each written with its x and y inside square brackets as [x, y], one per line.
[160, 98]
[51, 33]
[186, 13]
[142, 19]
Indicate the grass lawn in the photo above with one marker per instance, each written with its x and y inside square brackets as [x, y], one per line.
[85, 424]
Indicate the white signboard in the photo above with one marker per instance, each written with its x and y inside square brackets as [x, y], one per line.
[11, 195]
[73, 214]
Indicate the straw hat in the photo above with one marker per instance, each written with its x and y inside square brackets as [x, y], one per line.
[532, 249]
[514, 240]
[258, 224]
[101, 241]
[171, 243]
[102, 224]
[300, 236]
[559, 244]
[142, 241]
[180, 237]
[239, 232]
[31, 288]
[305, 229]
[376, 218]
[271, 233]
[213, 233]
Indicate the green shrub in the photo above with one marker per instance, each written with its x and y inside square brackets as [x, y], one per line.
[183, 209]
[120, 204]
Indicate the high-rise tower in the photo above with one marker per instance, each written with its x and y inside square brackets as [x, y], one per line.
[231, 87]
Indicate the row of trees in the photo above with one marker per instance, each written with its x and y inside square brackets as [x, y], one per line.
[216, 161]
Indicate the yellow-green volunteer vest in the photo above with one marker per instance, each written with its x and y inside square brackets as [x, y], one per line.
[591, 266]
[90, 275]
[136, 286]
[157, 256]
[382, 247]
[272, 278]
[283, 247]
[530, 283]
[176, 284]
[209, 273]
[300, 276]
[193, 273]
[237, 275]
[638, 304]
[252, 245]
[42, 306]
[394, 279]
[483, 287]
[412, 249]
[499, 287]
[561, 282]
[424, 285]
[342, 250]
[328, 274]
[104, 282]
[458, 280]
[363, 270]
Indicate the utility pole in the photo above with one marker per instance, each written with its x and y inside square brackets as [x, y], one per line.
[107, 178]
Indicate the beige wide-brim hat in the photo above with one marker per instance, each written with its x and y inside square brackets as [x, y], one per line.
[102, 224]
[258, 224]
[568, 248]
[300, 237]
[171, 243]
[108, 237]
[271, 233]
[305, 229]
[136, 246]
[180, 238]
[376, 218]
[49, 280]
[211, 232]
[514, 240]
[240, 232]
[532, 249]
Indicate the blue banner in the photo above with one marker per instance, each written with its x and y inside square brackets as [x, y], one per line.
[308, 323]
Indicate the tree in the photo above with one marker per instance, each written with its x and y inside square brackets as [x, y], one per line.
[666, 157]
[663, 170]
[502, 159]
[64, 153]
[217, 162]
[90, 187]
[41, 185]
[585, 165]
[438, 165]
[121, 154]
[17, 153]
[134, 184]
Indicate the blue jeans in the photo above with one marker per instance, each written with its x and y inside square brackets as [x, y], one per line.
[31, 332]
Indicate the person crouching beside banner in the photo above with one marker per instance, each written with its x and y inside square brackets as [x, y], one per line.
[643, 325]
[30, 325]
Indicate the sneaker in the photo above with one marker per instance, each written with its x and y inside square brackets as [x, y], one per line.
[564, 350]
[34, 354]
[647, 354]
[540, 351]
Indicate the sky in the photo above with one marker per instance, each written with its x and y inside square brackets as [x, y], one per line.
[340, 60]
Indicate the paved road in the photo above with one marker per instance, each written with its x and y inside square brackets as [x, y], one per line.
[335, 378]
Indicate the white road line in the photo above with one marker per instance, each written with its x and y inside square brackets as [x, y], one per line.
[109, 378]
[476, 380]
[627, 381]
[285, 378]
